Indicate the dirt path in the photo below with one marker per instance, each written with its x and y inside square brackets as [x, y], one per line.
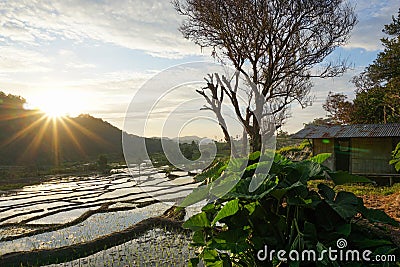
[391, 205]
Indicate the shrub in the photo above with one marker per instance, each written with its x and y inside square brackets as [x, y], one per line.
[284, 214]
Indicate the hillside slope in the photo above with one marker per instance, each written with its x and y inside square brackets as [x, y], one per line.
[29, 137]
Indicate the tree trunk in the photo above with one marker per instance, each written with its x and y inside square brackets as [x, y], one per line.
[255, 139]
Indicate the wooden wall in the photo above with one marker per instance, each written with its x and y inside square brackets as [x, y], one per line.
[325, 146]
[371, 155]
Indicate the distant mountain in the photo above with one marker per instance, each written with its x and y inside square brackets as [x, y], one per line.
[189, 139]
[30, 137]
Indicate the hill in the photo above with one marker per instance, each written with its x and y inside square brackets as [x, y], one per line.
[29, 137]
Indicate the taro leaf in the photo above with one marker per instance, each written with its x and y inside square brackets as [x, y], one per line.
[375, 215]
[326, 216]
[303, 171]
[212, 172]
[320, 158]
[251, 207]
[209, 208]
[229, 209]
[213, 259]
[197, 195]
[281, 160]
[345, 204]
[209, 254]
[252, 167]
[197, 222]
[237, 165]
[344, 229]
[254, 156]
[310, 235]
[198, 238]
[279, 193]
[224, 184]
[324, 261]
[193, 262]
[342, 177]
[241, 189]
[326, 192]
[233, 240]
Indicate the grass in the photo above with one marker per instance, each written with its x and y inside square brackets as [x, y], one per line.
[294, 148]
[359, 189]
[362, 190]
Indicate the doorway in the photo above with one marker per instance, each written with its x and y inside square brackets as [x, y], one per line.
[342, 154]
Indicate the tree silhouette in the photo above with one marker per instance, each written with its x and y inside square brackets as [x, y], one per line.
[274, 44]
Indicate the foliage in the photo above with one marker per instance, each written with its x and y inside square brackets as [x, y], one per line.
[379, 104]
[283, 214]
[338, 108]
[190, 151]
[377, 87]
[274, 44]
[294, 148]
[395, 161]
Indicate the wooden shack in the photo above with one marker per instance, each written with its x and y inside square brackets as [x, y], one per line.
[363, 149]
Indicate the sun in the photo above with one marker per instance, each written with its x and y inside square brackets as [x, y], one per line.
[59, 103]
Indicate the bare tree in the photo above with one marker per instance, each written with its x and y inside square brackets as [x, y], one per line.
[278, 45]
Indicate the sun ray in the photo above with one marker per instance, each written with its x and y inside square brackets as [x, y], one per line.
[72, 137]
[88, 133]
[22, 132]
[55, 139]
[34, 144]
[26, 114]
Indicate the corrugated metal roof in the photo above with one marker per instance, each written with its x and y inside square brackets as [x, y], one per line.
[346, 131]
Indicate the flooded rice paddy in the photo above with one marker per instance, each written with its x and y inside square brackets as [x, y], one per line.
[71, 210]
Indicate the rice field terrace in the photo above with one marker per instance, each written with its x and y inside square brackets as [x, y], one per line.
[95, 221]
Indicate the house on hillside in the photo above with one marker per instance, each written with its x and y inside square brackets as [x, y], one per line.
[363, 149]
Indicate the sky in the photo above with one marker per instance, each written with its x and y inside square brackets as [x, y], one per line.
[93, 56]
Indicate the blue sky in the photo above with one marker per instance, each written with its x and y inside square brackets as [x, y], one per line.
[97, 54]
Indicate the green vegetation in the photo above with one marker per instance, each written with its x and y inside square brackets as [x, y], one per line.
[358, 189]
[377, 95]
[285, 213]
[396, 158]
[294, 148]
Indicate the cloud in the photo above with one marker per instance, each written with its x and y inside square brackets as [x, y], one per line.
[372, 16]
[150, 26]
[13, 59]
[320, 92]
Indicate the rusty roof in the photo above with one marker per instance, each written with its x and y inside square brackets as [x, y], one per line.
[346, 131]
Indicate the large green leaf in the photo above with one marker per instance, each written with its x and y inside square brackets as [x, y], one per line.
[241, 190]
[254, 156]
[345, 204]
[198, 194]
[233, 240]
[279, 193]
[197, 222]
[320, 158]
[229, 209]
[396, 158]
[374, 215]
[326, 192]
[211, 173]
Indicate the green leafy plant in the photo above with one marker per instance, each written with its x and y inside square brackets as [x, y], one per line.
[395, 161]
[284, 214]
